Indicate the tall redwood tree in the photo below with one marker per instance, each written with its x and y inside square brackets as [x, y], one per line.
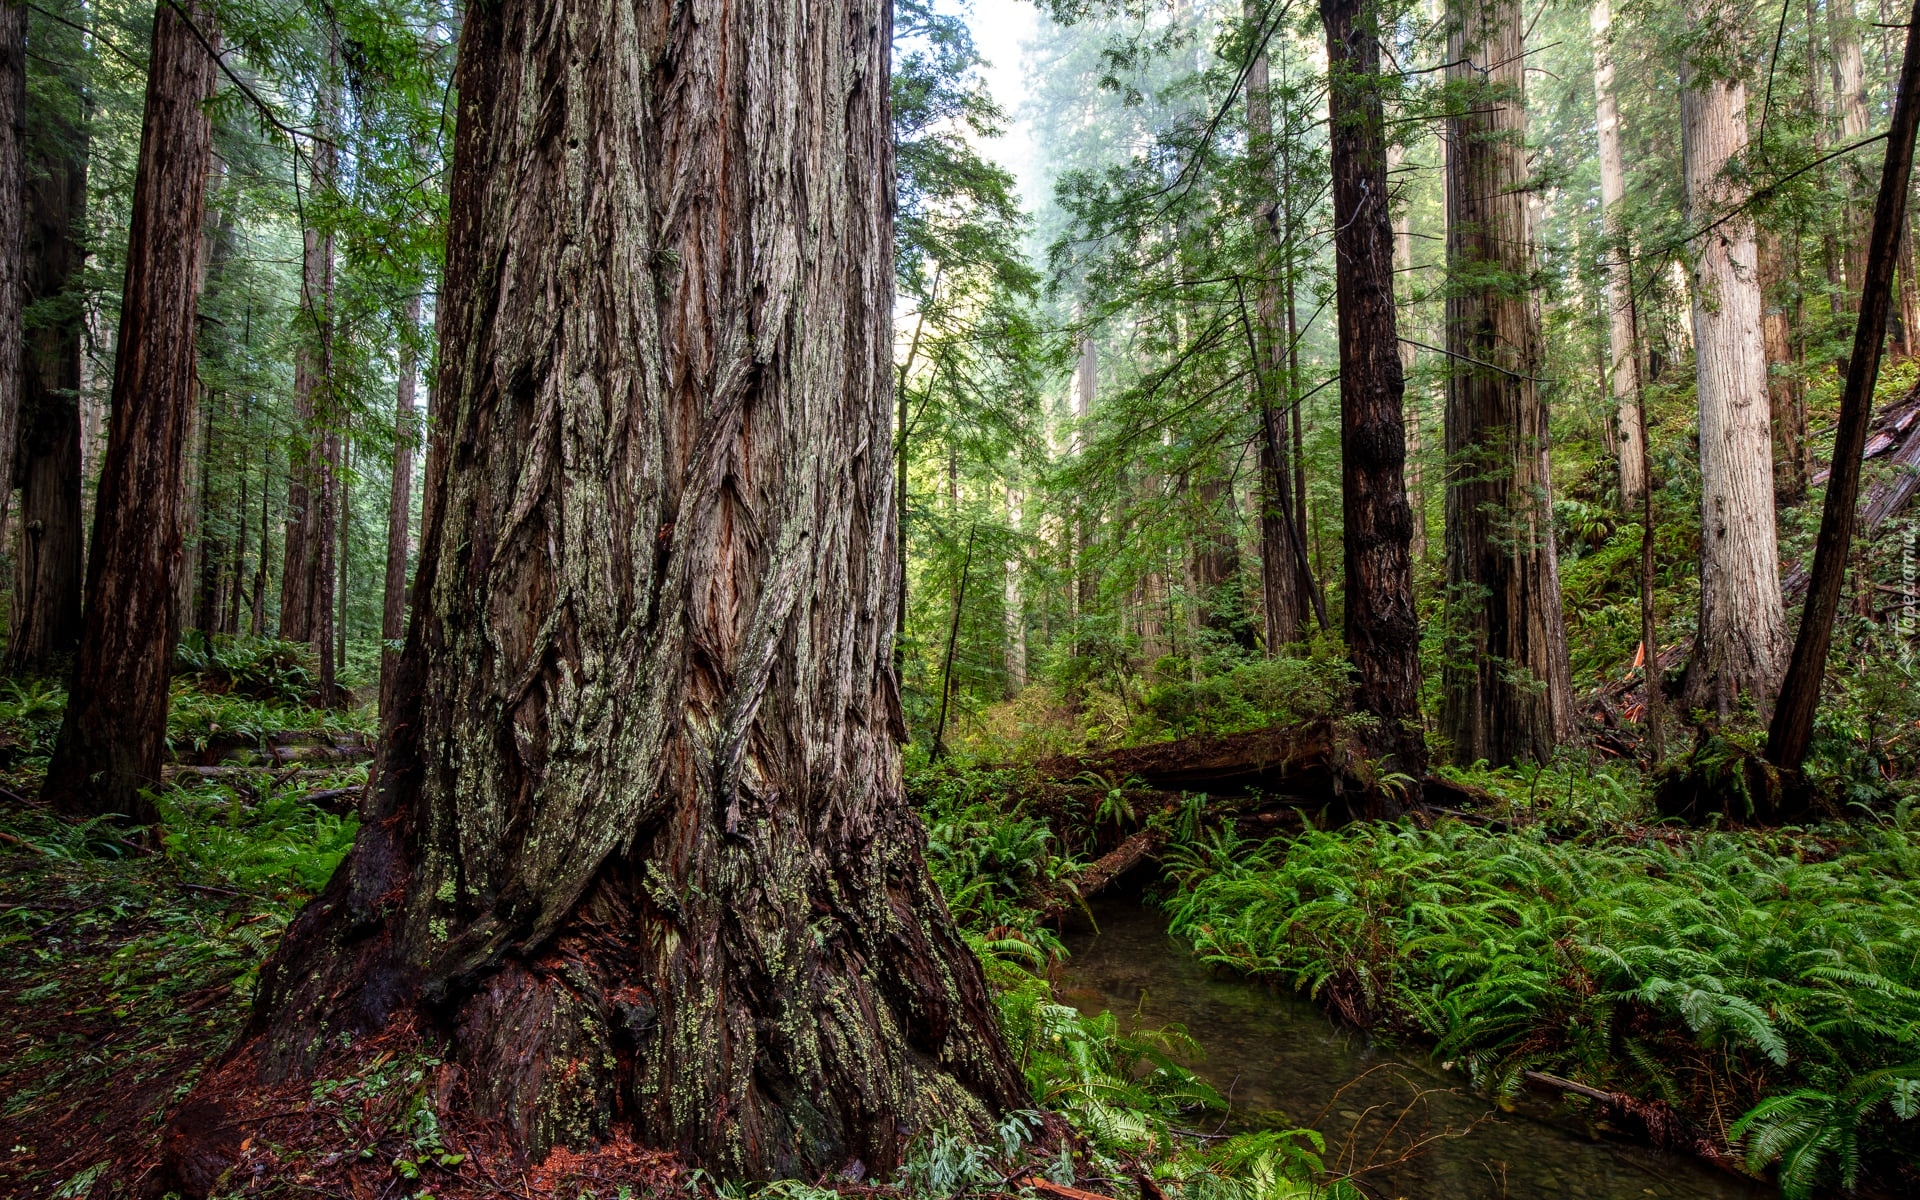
[45, 624]
[637, 855]
[1509, 689]
[1382, 629]
[114, 735]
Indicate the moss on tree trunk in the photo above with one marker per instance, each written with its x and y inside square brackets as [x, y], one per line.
[637, 848]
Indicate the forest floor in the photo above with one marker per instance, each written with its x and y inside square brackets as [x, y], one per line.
[1536, 924]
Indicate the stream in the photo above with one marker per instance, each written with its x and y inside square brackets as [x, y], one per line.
[1404, 1126]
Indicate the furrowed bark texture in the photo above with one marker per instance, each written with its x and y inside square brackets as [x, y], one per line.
[114, 734]
[393, 612]
[638, 848]
[1629, 430]
[1382, 630]
[1509, 691]
[46, 598]
[1742, 646]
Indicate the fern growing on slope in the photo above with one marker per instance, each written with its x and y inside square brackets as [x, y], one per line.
[1720, 972]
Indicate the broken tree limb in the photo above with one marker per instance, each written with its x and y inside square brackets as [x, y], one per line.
[1059, 1191]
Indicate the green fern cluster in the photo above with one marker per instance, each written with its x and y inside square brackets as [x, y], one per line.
[1726, 974]
[1125, 1091]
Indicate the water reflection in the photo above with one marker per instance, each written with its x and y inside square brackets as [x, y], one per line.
[1408, 1128]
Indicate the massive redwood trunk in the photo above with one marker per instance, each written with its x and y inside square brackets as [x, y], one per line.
[115, 731]
[636, 855]
[47, 563]
[1382, 629]
[1742, 645]
[1509, 691]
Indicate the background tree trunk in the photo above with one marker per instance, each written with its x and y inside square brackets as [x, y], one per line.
[1382, 629]
[1742, 643]
[1016, 606]
[1086, 387]
[1791, 731]
[1403, 269]
[1850, 114]
[1786, 396]
[1509, 691]
[48, 563]
[393, 612]
[13, 233]
[1629, 429]
[638, 851]
[1282, 583]
[306, 573]
[114, 734]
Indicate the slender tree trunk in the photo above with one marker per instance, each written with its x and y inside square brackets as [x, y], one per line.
[257, 623]
[192, 499]
[1791, 731]
[114, 734]
[1086, 387]
[1509, 691]
[1283, 585]
[212, 547]
[1741, 647]
[242, 523]
[1850, 113]
[1016, 607]
[13, 233]
[637, 857]
[342, 499]
[1402, 269]
[1786, 398]
[306, 573]
[1382, 629]
[393, 612]
[48, 566]
[1908, 312]
[1629, 428]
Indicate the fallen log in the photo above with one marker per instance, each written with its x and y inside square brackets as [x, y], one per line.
[1104, 870]
[249, 776]
[1292, 759]
[282, 747]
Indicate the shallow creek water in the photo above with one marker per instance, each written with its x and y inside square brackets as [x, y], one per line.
[1411, 1129]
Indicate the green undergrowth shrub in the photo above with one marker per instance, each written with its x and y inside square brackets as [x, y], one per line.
[254, 668]
[1765, 985]
[30, 713]
[106, 942]
[1234, 696]
[195, 718]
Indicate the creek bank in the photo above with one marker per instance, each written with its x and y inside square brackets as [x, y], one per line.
[1396, 1120]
